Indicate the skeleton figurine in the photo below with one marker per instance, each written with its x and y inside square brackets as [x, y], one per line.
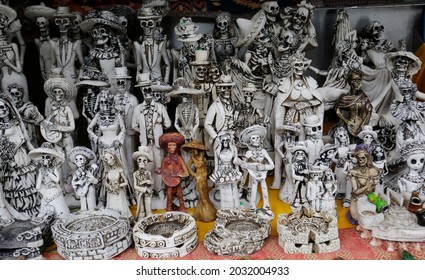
[299, 20]
[314, 188]
[66, 51]
[186, 34]
[225, 37]
[84, 179]
[124, 103]
[152, 54]
[313, 137]
[48, 180]
[143, 182]
[298, 175]
[29, 113]
[257, 162]
[40, 14]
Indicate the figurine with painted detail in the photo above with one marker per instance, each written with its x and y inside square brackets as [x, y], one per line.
[143, 182]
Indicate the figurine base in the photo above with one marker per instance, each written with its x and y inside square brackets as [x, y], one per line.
[25, 240]
[214, 196]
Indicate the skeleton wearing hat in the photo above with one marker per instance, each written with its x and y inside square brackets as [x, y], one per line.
[143, 182]
[152, 53]
[41, 15]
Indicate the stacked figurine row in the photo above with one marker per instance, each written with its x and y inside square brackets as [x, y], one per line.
[246, 109]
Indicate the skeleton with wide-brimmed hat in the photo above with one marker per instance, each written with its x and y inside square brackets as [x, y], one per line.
[41, 15]
[84, 178]
[150, 119]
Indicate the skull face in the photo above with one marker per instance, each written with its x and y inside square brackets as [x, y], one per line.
[298, 67]
[255, 140]
[109, 159]
[222, 25]
[42, 23]
[100, 35]
[362, 158]
[401, 65]
[248, 96]
[80, 160]
[201, 72]
[368, 139]
[407, 90]
[121, 85]
[105, 102]
[17, 96]
[64, 24]
[416, 161]
[224, 91]
[142, 162]
[4, 109]
[377, 31]
[59, 94]
[271, 8]
[225, 141]
[214, 73]
[342, 137]
[75, 23]
[148, 26]
[123, 21]
[378, 153]
[158, 96]
[313, 131]
[300, 155]
[355, 81]
[46, 160]
[300, 18]
[147, 94]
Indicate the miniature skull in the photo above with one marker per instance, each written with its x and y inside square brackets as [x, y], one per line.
[109, 158]
[224, 91]
[121, 84]
[401, 65]
[58, 94]
[46, 160]
[147, 94]
[100, 34]
[80, 160]
[158, 96]
[271, 8]
[355, 81]
[225, 141]
[361, 158]
[142, 162]
[377, 31]
[407, 90]
[17, 93]
[298, 67]
[416, 161]
[148, 26]
[123, 21]
[300, 18]
[368, 139]
[4, 109]
[63, 23]
[255, 140]
[300, 155]
[75, 23]
[313, 131]
[201, 72]
[42, 23]
[222, 22]
[248, 96]
[105, 101]
[214, 73]
[342, 136]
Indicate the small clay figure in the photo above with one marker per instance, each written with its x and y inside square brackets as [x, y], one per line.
[18, 196]
[115, 181]
[413, 153]
[143, 182]
[41, 15]
[10, 60]
[368, 137]
[326, 157]
[151, 53]
[299, 174]
[363, 177]
[314, 188]
[313, 137]
[354, 108]
[226, 173]
[197, 168]
[173, 168]
[30, 114]
[84, 179]
[151, 119]
[187, 113]
[257, 162]
[48, 180]
[225, 37]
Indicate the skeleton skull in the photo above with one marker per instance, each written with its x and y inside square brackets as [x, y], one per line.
[109, 159]
[416, 161]
[58, 94]
[42, 23]
[313, 131]
[361, 158]
[248, 96]
[105, 102]
[298, 67]
[368, 139]
[377, 31]
[401, 64]
[148, 26]
[80, 160]
[300, 155]
[17, 96]
[100, 34]
[201, 72]
[255, 140]
[214, 73]
[75, 23]
[46, 160]
[64, 24]
[271, 8]
[158, 96]
[4, 109]
[142, 162]
[300, 18]
[222, 22]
